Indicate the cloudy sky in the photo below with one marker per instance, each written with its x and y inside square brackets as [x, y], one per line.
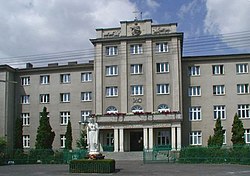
[42, 31]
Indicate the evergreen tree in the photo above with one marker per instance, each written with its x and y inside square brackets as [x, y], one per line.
[68, 135]
[18, 143]
[82, 141]
[45, 136]
[217, 138]
[237, 132]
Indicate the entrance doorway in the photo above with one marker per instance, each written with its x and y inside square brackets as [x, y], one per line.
[136, 141]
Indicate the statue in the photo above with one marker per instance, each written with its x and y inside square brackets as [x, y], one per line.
[92, 137]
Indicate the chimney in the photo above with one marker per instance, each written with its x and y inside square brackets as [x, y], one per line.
[29, 65]
[53, 65]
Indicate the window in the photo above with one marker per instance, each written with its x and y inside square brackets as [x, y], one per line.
[111, 91]
[136, 49]
[111, 109]
[136, 69]
[243, 111]
[26, 141]
[111, 50]
[194, 71]
[110, 139]
[137, 90]
[196, 138]
[25, 81]
[44, 79]
[162, 67]
[86, 96]
[25, 99]
[86, 77]
[218, 69]
[65, 97]
[44, 98]
[219, 89]
[195, 113]
[161, 47]
[111, 70]
[65, 117]
[224, 137]
[163, 108]
[84, 116]
[137, 108]
[65, 78]
[242, 88]
[247, 136]
[162, 88]
[194, 91]
[25, 118]
[241, 68]
[63, 140]
[219, 112]
[163, 138]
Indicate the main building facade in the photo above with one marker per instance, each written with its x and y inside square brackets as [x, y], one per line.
[139, 88]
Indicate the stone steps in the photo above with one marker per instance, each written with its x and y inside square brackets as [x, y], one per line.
[123, 155]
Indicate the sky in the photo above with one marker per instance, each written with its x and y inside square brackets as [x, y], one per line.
[43, 31]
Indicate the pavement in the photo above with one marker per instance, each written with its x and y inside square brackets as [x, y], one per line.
[133, 168]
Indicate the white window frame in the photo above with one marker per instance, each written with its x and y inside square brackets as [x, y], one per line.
[136, 69]
[26, 141]
[136, 108]
[224, 137]
[242, 88]
[44, 79]
[195, 138]
[218, 69]
[194, 91]
[112, 91]
[162, 47]
[162, 89]
[242, 68]
[85, 115]
[195, 113]
[65, 78]
[25, 119]
[64, 117]
[44, 98]
[25, 81]
[86, 96]
[137, 90]
[219, 90]
[111, 50]
[247, 136]
[163, 108]
[162, 67]
[243, 111]
[163, 137]
[220, 111]
[136, 49]
[111, 70]
[65, 97]
[62, 140]
[111, 109]
[25, 99]
[86, 77]
[194, 71]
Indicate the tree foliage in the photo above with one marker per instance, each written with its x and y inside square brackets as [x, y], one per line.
[68, 135]
[3, 144]
[18, 143]
[237, 132]
[217, 138]
[45, 136]
[82, 141]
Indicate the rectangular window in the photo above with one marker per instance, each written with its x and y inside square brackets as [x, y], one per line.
[243, 111]
[136, 49]
[247, 136]
[162, 88]
[84, 116]
[161, 47]
[65, 97]
[224, 137]
[242, 88]
[25, 99]
[112, 91]
[136, 69]
[196, 138]
[163, 138]
[65, 78]
[162, 67]
[218, 69]
[86, 96]
[194, 71]
[44, 98]
[195, 113]
[241, 68]
[62, 140]
[25, 81]
[86, 77]
[111, 50]
[25, 118]
[219, 90]
[110, 139]
[194, 91]
[44, 79]
[219, 112]
[64, 117]
[137, 90]
[111, 70]
[26, 141]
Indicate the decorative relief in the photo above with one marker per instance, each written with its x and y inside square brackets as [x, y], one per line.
[112, 34]
[161, 30]
[135, 30]
[137, 100]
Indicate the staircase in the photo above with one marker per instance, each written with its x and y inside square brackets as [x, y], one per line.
[123, 155]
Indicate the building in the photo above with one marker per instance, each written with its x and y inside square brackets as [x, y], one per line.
[142, 92]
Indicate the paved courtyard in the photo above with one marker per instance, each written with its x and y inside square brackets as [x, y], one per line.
[127, 168]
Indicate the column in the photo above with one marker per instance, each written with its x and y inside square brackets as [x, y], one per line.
[150, 138]
[178, 138]
[145, 138]
[173, 138]
[121, 139]
[116, 140]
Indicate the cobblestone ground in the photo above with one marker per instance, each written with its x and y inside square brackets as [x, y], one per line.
[137, 168]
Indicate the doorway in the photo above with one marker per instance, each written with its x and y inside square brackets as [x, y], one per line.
[136, 141]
